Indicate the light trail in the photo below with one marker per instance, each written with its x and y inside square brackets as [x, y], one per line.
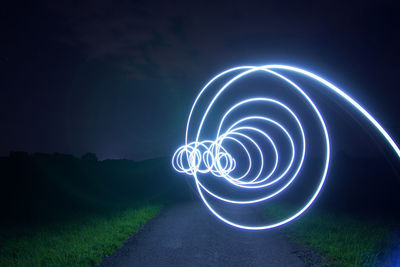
[212, 157]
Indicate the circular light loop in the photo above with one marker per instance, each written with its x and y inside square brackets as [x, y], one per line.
[213, 156]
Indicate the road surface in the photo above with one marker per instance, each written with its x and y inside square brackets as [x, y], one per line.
[188, 235]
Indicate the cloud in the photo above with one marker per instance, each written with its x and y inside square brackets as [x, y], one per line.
[174, 41]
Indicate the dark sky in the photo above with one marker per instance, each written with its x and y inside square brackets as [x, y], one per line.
[118, 79]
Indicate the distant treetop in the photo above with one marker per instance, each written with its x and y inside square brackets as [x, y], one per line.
[89, 157]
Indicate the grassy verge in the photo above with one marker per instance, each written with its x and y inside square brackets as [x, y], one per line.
[342, 240]
[82, 242]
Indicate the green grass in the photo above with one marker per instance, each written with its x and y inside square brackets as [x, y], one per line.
[81, 242]
[342, 240]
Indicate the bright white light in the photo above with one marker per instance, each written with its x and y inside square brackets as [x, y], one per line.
[210, 156]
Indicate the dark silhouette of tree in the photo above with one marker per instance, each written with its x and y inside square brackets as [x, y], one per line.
[45, 187]
[90, 157]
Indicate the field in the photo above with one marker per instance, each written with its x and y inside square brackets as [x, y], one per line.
[59, 210]
[341, 239]
[80, 242]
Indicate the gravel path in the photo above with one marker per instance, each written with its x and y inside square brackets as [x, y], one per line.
[188, 235]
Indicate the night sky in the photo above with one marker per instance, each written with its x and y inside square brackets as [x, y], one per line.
[118, 79]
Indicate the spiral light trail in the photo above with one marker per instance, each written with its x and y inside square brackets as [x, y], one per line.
[212, 157]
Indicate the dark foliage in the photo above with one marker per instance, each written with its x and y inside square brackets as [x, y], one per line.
[369, 186]
[362, 187]
[39, 187]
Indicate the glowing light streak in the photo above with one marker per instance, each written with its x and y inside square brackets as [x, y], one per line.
[217, 161]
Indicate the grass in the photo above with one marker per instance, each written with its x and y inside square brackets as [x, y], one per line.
[342, 240]
[81, 242]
